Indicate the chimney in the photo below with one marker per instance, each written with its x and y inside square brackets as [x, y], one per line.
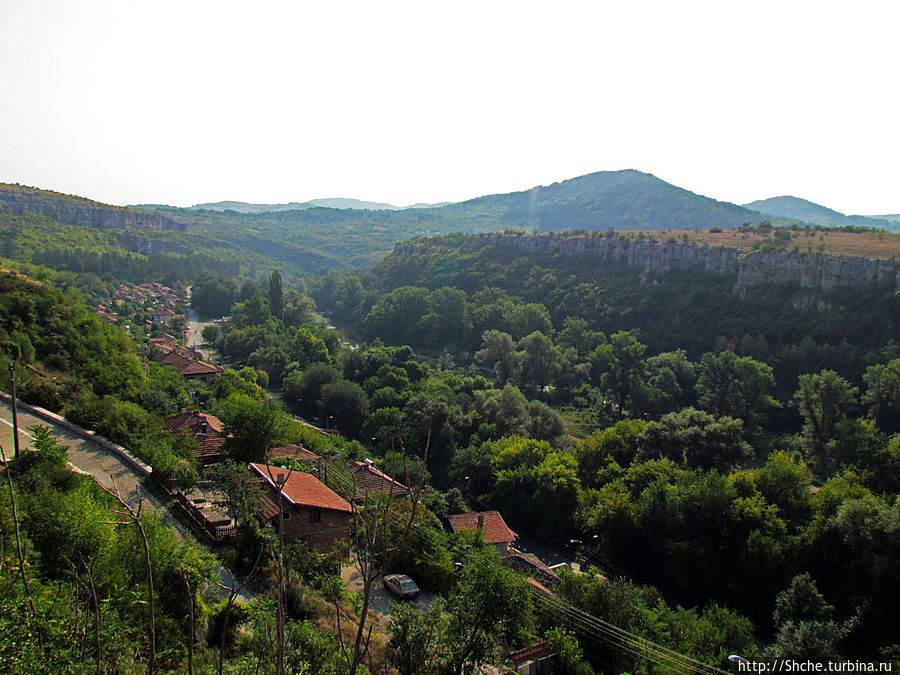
[480, 520]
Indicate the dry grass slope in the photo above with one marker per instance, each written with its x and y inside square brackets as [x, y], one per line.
[875, 244]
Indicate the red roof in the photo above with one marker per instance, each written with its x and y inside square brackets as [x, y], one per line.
[495, 530]
[198, 368]
[195, 421]
[369, 480]
[533, 653]
[538, 586]
[302, 489]
[205, 428]
[295, 451]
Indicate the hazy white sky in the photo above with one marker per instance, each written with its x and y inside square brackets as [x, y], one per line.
[185, 101]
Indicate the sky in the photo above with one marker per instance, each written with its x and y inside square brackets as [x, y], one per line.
[192, 101]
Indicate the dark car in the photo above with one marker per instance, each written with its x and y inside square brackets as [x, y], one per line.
[401, 586]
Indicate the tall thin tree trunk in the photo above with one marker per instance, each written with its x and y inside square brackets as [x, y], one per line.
[190, 599]
[90, 576]
[19, 551]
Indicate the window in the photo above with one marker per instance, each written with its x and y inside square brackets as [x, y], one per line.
[286, 515]
[315, 515]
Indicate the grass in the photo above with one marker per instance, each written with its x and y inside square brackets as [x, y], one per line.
[872, 244]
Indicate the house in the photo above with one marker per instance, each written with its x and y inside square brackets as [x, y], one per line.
[207, 429]
[163, 316]
[494, 530]
[310, 510]
[297, 452]
[186, 362]
[367, 480]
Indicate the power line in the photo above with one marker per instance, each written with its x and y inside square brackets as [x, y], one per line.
[595, 627]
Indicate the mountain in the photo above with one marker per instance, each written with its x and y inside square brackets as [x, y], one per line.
[815, 214]
[622, 200]
[334, 203]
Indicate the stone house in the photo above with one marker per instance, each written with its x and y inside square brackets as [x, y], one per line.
[310, 510]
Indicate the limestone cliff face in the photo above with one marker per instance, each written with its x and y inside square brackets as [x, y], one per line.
[810, 270]
[78, 211]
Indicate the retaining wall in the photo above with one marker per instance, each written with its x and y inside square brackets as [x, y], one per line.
[86, 434]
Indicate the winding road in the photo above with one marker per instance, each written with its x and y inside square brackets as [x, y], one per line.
[108, 469]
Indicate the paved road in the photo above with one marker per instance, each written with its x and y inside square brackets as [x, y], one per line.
[108, 469]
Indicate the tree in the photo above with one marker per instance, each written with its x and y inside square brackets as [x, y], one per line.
[785, 482]
[506, 409]
[253, 427]
[343, 405]
[824, 400]
[619, 367]
[488, 604]
[540, 361]
[695, 439]
[801, 601]
[577, 334]
[418, 639]
[674, 376]
[210, 333]
[498, 351]
[883, 394]
[618, 443]
[567, 654]
[276, 295]
[735, 386]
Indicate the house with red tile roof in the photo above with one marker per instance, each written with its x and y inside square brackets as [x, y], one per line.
[208, 431]
[163, 315]
[297, 452]
[490, 524]
[310, 510]
[186, 362]
[367, 481]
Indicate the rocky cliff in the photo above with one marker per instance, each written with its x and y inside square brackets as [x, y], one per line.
[811, 270]
[20, 201]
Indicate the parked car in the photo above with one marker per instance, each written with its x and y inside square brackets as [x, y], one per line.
[401, 586]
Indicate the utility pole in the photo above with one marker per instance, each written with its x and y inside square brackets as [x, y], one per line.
[13, 356]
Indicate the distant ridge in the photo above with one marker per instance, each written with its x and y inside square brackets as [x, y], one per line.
[328, 203]
[815, 214]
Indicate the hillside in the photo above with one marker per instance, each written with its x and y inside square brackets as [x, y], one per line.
[622, 200]
[809, 212]
[677, 292]
[34, 224]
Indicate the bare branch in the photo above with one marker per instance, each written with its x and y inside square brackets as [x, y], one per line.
[19, 550]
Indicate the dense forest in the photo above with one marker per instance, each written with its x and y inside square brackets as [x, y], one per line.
[725, 466]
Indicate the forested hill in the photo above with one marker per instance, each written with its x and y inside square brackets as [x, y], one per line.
[801, 209]
[622, 200]
[310, 239]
